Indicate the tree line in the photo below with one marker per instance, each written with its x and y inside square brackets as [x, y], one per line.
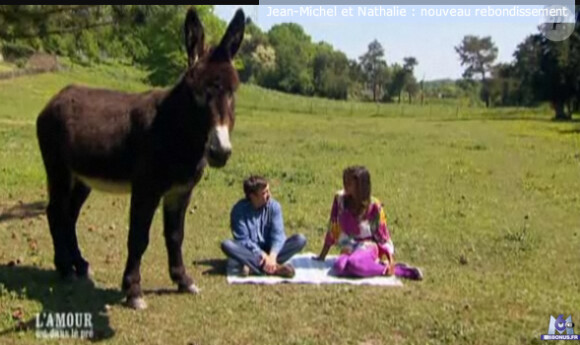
[150, 36]
[285, 58]
[541, 70]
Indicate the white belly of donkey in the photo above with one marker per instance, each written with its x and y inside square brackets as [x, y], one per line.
[104, 185]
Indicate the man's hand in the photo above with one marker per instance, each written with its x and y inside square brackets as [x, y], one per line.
[269, 263]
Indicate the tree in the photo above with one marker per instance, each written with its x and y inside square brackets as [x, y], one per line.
[397, 83]
[374, 67]
[478, 54]
[503, 85]
[411, 85]
[409, 63]
[32, 21]
[82, 32]
[527, 56]
[321, 67]
[294, 52]
[469, 88]
[256, 54]
[551, 70]
[330, 72]
[558, 77]
[356, 80]
[162, 35]
[403, 80]
[151, 35]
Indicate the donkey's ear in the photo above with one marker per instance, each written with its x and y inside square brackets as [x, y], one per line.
[194, 36]
[232, 39]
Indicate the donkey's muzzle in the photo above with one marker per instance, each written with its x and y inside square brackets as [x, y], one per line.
[218, 158]
[220, 148]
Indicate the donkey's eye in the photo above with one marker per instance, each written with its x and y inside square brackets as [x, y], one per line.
[200, 98]
[216, 88]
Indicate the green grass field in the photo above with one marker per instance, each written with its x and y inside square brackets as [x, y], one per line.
[6, 67]
[485, 201]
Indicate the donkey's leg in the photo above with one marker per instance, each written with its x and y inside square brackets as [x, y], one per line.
[174, 209]
[80, 193]
[143, 205]
[59, 180]
[59, 220]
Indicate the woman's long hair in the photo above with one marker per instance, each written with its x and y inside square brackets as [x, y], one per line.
[360, 202]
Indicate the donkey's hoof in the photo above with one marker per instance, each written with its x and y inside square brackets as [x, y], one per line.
[87, 277]
[85, 273]
[192, 289]
[137, 303]
[68, 278]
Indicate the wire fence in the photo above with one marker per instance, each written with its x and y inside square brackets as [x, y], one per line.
[253, 98]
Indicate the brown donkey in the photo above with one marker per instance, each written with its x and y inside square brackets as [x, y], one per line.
[154, 145]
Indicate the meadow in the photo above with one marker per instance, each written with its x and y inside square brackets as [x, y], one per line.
[484, 201]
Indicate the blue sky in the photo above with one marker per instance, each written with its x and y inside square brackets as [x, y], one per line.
[429, 39]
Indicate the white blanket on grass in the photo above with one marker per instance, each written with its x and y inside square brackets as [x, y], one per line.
[310, 271]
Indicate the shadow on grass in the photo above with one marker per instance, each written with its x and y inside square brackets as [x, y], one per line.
[23, 211]
[162, 291]
[216, 266]
[57, 296]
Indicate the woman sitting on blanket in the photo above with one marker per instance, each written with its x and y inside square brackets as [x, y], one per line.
[359, 226]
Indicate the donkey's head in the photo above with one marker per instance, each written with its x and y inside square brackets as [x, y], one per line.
[212, 80]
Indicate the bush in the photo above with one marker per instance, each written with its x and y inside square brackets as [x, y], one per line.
[16, 52]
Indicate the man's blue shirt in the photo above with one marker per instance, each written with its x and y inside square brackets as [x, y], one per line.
[258, 229]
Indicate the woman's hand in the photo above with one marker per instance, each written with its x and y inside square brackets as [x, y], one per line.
[323, 253]
[390, 269]
[390, 263]
[346, 250]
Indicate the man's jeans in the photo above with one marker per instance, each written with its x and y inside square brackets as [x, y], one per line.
[234, 250]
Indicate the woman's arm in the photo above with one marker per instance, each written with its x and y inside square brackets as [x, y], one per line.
[390, 262]
[382, 237]
[323, 253]
[332, 232]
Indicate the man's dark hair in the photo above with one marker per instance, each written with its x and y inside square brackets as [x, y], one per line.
[253, 184]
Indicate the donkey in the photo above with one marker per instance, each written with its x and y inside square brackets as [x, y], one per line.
[154, 145]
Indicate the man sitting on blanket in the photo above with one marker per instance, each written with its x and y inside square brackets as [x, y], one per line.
[260, 243]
